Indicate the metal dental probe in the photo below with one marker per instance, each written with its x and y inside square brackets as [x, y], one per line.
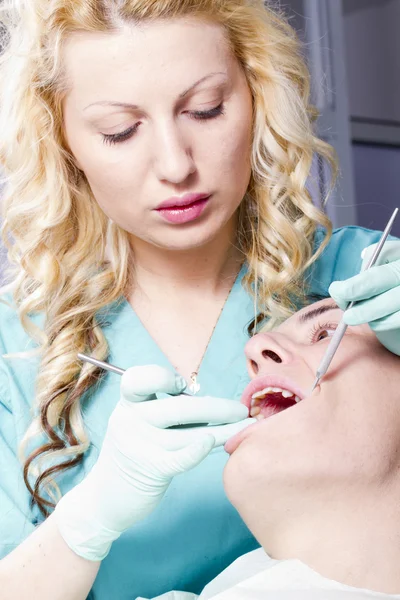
[119, 371]
[101, 364]
[108, 366]
[341, 329]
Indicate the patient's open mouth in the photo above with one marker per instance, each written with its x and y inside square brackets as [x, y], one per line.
[269, 395]
[270, 401]
[266, 396]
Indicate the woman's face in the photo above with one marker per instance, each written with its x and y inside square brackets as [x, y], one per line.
[337, 445]
[159, 111]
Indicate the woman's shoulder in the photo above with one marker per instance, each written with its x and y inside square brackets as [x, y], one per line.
[18, 362]
[341, 258]
[13, 337]
[343, 238]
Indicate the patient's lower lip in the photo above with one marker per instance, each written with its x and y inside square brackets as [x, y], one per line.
[267, 412]
[233, 442]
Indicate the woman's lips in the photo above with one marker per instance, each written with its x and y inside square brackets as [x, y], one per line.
[183, 213]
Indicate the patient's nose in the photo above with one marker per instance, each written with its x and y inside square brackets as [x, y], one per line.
[264, 349]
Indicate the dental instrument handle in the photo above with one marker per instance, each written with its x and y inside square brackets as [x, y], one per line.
[341, 329]
[381, 242]
[107, 366]
[101, 364]
[330, 351]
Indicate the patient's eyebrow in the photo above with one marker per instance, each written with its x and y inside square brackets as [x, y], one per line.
[316, 312]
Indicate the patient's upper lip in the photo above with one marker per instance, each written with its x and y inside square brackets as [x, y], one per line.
[259, 383]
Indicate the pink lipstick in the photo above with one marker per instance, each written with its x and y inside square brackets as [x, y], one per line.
[183, 209]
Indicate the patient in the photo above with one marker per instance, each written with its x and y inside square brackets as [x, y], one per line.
[317, 478]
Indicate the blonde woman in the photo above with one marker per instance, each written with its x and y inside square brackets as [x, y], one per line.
[156, 156]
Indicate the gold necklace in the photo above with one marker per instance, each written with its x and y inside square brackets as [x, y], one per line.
[194, 387]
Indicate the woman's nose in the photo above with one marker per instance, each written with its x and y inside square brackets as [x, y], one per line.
[174, 162]
[265, 349]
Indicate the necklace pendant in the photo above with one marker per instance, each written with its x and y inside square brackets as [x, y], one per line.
[194, 387]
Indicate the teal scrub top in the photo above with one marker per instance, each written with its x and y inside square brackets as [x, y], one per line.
[195, 533]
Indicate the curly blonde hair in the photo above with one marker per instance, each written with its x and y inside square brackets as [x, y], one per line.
[56, 233]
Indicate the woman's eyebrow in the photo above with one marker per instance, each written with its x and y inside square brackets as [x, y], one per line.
[135, 107]
[316, 312]
[192, 87]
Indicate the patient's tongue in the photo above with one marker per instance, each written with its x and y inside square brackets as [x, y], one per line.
[275, 403]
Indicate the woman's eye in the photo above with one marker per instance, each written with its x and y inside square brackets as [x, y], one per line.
[322, 332]
[207, 114]
[325, 333]
[116, 138]
[199, 115]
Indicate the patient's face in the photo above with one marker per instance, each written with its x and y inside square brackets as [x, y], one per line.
[346, 434]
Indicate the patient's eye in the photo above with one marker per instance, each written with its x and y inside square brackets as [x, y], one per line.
[321, 331]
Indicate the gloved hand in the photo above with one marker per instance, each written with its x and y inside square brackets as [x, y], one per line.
[377, 292]
[139, 457]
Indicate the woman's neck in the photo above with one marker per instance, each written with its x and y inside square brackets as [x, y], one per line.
[211, 267]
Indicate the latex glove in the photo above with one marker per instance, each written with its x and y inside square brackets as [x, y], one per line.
[139, 457]
[377, 292]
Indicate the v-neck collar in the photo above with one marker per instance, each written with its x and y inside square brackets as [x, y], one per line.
[141, 348]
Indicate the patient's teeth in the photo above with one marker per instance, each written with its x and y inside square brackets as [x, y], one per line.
[255, 411]
[262, 393]
[254, 401]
